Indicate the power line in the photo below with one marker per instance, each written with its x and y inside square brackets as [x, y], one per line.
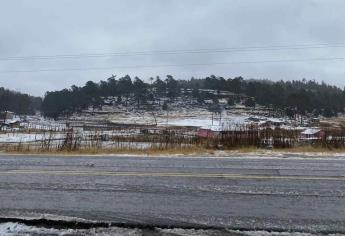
[176, 52]
[174, 65]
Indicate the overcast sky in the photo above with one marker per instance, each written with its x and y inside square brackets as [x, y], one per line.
[49, 28]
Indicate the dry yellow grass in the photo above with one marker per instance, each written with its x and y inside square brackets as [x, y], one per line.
[248, 149]
[312, 149]
[98, 151]
[154, 151]
[333, 122]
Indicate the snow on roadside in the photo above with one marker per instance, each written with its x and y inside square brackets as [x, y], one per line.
[10, 228]
[15, 229]
[195, 232]
[266, 233]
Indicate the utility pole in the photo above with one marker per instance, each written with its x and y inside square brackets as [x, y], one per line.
[220, 118]
[167, 108]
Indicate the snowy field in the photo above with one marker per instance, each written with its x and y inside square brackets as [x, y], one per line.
[17, 137]
[130, 124]
[179, 115]
[224, 121]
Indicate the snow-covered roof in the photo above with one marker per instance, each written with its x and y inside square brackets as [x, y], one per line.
[275, 120]
[8, 112]
[12, 121]
[216, 128]
[289, 127]
[311, 131]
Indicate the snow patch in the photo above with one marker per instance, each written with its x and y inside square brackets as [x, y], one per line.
[14, 229]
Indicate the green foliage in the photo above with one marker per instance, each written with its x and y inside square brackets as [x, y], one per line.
[231, 101]
[165, 106]
[124, 85]
[249, 102]
[18, 103]
[140, 90]
[173, 88]
[160, 87]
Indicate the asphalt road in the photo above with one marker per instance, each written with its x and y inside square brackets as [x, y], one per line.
[266, 193]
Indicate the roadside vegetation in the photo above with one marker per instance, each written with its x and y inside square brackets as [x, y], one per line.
[176, 141]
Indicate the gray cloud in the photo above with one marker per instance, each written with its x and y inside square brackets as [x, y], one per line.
[41, 27]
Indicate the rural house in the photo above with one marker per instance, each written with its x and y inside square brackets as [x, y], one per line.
[312, 134]
[6, 115]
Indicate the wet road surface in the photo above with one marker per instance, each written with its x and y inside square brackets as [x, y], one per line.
[238, 193]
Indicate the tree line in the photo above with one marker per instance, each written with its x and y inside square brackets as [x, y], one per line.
[297, 96]
[18, 102]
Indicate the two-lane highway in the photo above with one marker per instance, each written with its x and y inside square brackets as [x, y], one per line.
[302, 194]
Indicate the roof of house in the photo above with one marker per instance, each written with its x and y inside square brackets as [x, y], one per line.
[215, 128]
[8, 112]
[310, 131]
[276, 120]
[12, 121]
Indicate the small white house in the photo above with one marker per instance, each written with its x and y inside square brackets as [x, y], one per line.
[312, 134]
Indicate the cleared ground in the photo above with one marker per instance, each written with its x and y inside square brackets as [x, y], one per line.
[238, 193]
